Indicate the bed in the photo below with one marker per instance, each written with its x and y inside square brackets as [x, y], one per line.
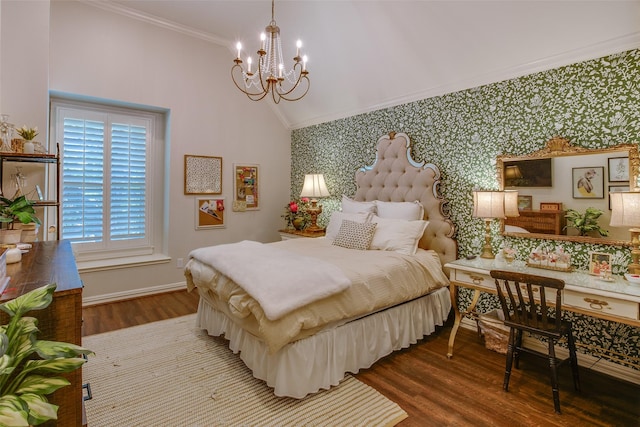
[371, 302]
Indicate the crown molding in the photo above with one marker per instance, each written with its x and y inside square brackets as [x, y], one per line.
[608, 47]
[157, 21]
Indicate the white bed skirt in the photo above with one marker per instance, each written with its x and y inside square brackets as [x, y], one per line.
[322, 360]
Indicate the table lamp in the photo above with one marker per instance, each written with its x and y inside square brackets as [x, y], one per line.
[625, 212]
[314, 187]
[512, 174]
[493, 204]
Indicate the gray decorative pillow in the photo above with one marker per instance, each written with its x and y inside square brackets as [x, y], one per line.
[355, 235]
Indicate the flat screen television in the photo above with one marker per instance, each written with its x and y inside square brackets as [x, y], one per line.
[527, 173]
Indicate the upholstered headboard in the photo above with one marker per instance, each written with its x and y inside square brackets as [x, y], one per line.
[396, 177]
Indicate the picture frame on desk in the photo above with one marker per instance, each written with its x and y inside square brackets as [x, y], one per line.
[599, 263]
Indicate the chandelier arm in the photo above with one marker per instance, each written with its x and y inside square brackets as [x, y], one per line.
[254, 96]
[283, 95]
[301, 75]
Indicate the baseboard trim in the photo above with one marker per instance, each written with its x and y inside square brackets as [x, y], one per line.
[588, 361]
[135, 293]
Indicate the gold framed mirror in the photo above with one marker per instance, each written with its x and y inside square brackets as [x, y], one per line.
[561, 177]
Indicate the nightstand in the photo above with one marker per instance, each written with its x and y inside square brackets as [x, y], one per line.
[298, 234]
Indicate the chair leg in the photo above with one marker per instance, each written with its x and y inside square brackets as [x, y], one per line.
[510, 348]
[574, 361]
[516, 351]
[554, 376]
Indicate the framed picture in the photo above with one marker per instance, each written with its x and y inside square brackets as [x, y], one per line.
[245, 187]
[550, 206]
[525, 203]
[588, 183]
[209, 212]
[618, 169]
[202, 174]
[615, 189]
[599, 263]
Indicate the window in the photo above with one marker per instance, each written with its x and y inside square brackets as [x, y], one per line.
[109, 156]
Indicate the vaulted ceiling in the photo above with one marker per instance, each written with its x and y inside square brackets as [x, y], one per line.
[366, 55]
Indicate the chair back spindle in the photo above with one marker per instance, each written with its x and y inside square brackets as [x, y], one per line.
[523, 298]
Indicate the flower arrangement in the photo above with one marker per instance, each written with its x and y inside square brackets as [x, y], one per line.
[27, 133]
[297, 210]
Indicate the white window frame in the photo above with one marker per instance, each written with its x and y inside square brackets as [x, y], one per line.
[112, 253]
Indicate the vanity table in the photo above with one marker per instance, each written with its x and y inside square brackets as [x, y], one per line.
[615, 300]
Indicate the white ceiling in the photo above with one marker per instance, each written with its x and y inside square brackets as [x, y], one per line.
[365, 55]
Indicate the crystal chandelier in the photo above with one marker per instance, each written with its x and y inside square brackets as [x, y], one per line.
[271, 76]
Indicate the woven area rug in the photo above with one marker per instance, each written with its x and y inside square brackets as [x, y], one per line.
[169, 373]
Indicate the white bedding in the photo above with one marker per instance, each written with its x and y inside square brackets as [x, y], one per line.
[269, 274]
[380, 279]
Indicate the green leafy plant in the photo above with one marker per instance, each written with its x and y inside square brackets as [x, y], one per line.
[25, 379]
[19, 209]
[585, 222]
[27, 133]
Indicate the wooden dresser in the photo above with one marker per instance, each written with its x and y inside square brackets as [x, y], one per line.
[546, 222]
[53, 262]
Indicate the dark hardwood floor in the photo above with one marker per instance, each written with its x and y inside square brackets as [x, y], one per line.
[435, 391]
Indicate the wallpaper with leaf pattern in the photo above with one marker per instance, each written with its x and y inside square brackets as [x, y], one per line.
[594, 104]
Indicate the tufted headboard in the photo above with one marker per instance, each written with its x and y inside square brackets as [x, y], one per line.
[396, 177]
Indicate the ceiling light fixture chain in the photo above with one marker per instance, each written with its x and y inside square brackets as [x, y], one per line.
[271, 76]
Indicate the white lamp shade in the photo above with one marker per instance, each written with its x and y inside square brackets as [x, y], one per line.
[488, 204]
[314, 186]
[625, 209]
[511, 203]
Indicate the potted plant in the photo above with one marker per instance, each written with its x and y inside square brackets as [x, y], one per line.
[19, 210]
[296, 214]
[585, 223]
[28, 366]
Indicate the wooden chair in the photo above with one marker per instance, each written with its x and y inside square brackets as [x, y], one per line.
[523, 298]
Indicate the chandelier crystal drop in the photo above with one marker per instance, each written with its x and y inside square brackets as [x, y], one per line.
[269, 75]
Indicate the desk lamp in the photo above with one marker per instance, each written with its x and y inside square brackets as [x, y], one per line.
[493, 204]
[625, 211]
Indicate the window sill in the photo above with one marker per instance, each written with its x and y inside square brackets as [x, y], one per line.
[117, 263]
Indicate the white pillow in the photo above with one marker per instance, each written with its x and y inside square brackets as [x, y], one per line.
[397, 235]
[410, 211]
[355, 235]
[335, 221]
[351, 206]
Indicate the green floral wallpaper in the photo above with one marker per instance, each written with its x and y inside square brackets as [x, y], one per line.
[594, 104]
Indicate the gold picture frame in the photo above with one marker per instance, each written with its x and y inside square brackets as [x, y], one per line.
[246, 195]
[210, 212]
[202, 174]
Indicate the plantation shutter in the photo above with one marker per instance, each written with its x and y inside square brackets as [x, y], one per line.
[104, 177]
[83, 180]
[128, 181]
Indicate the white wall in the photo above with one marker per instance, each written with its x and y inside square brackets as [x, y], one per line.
[101, 54]
[24, 63]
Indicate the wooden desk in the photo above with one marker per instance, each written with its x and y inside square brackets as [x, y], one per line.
[53, 262]
[617, 301]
